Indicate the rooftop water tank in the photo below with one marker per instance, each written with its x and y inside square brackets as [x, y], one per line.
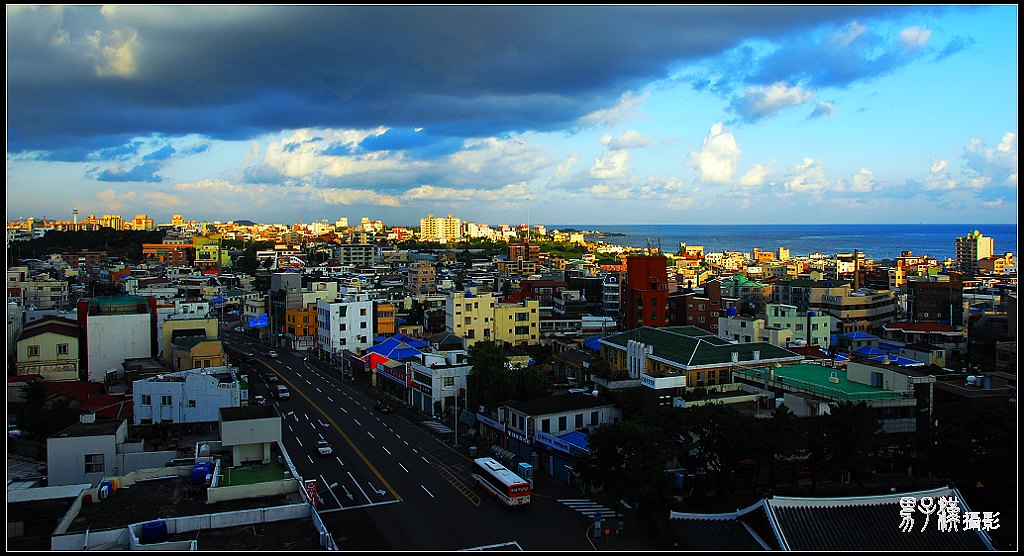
[730, 311]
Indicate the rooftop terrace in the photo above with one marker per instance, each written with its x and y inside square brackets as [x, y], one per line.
[814, 379]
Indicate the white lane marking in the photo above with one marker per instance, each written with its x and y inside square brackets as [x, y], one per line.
[339, 461]
[403, 468]
[307, 416]
[329, 399]
[287, 367]
[299, 441]
[396, 434]
[406, 442]
[310, 458]
[327, 487]
[312, 425]
[357, 422]
[308, 382]
[290, 428]
[427, 491]
[386, 450]
[319, 390]
[424, 459]
[358, 486]
[370, 505]
[371, 434]
[343, 409]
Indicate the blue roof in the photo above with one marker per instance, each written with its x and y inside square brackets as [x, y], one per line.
[866, 351]
[399, 347]
[592, 343]
[898, 360]
[576, 438]
[888, 347]
[839, 356]
[857, 335]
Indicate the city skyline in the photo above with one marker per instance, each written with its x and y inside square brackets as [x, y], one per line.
[616, 115]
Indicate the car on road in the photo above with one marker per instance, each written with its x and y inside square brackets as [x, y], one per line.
[324, 448]
[259, 400]
[272, 377]
[384, 407]
[238, 329]
[272, 354]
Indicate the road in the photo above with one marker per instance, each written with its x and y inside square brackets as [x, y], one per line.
[390, 484]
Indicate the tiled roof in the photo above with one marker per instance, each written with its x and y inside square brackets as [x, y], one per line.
[76, 389]
[690, 346]
[867, 523]
[858, 336]
[927, 326]
[743, 530]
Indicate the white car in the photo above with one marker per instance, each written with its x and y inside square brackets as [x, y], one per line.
[272, 354]
[324, 448]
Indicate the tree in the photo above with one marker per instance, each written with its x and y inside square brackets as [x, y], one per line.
[628, 459]
[489, 380]
[717, 439]
[848, 433]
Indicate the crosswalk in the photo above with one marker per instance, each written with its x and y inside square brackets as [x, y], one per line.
[437, 427]
[588, 508]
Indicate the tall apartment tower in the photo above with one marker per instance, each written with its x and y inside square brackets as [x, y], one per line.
[646, 288]
[971, 248]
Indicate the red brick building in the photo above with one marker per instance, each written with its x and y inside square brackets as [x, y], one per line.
[646, 302]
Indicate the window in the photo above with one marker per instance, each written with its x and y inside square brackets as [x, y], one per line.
[62, 349]
[545, 425]
[94, 463]
[449, 381]
[191, 403]
[362, 312]
[146, 399]
[165, 400]
[579, 420]
[700, 307]
[562, 423]
[593, 418]
[33, 351]
[362, 324]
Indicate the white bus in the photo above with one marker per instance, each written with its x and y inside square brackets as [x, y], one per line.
[503, 484]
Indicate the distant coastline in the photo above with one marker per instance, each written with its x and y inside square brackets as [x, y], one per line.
[878, 241]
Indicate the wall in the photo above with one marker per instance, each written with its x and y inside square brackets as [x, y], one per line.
[250, 431]
[144, 460]
[65, 459]
[241, 492]
[114, 338]
[179, 322]
[206, 390]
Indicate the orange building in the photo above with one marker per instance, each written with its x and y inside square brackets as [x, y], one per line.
[384, 323]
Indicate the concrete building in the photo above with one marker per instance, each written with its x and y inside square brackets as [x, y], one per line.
[701, 308]
[49, 347]
[358, 254]
[196, 352]
[810, 328]
[646, 292]
[250, 432]
[115, 328]
[345, 325]
[865, 310]
[442, 230]
[480, 318]
[179, 325]
[89, 451]
[938, 298]
[517, 324]
[970, 249]
[192, 396]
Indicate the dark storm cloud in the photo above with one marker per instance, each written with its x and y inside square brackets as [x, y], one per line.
[235, 73]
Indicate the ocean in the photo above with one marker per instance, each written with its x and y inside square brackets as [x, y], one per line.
[877, 241]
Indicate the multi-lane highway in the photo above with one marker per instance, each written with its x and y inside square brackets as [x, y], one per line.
[390, 484]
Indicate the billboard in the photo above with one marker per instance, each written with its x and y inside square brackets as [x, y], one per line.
[259, 321]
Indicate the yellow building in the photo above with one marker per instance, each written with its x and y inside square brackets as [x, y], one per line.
[185, 325]
[442, 230]
[470, 317]
[209, 253]
[49, 347]
[300, 326]
[384, 324]
[195, 352]
[517, 323]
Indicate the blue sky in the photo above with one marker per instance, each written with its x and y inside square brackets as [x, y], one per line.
[612, 114]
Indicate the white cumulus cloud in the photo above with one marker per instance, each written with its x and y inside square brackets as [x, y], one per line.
[938, 176]
[613, 164]
[630, 139]
[807, 176]
[626, 109]
[995, 166]
[716, 160]
[755, 176]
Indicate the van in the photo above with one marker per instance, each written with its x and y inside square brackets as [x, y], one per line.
[282, 392]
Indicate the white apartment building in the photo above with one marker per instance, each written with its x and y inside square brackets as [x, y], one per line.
[192, 396]
[345, 324]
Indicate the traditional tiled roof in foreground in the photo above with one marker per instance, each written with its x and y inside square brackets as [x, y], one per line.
[818, 524]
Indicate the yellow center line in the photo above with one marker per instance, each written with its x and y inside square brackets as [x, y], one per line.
[337, 428]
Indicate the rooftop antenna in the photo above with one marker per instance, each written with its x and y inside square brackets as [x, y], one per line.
[648, 245]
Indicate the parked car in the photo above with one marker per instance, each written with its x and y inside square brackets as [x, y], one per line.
[384, 407]
[272, 354]
[324, 448]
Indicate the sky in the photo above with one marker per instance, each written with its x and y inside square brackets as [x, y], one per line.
[539, 114]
